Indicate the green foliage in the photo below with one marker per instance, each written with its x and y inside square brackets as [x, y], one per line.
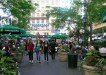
[21, 49]
[20, 9]
[65, 48]
[2, 52]
[96, 10]
[92, 57]
[60, 15]
[7, 64]
[100, 66]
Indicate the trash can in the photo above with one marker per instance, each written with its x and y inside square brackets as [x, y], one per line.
[72, 60]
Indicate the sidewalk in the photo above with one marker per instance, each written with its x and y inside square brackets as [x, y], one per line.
[53, 67]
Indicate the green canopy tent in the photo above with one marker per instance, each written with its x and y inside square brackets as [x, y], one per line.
[22, 31]
[50, 37]
[60, 36]
[6, 29]
[13, 36]
[26, 35]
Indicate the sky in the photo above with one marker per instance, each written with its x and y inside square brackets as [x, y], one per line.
[5, 15]
[2, 13]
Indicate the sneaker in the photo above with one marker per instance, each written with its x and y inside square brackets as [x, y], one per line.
[32, 61]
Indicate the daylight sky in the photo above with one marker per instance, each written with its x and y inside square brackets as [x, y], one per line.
[2, 13]
[68, 4]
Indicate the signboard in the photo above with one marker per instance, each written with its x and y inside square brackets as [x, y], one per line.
[40, 25]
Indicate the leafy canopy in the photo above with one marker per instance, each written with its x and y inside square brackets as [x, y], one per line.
[20, 9]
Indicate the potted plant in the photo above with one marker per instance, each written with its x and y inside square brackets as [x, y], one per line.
[20, 53]
[93, 64]
[64, 49]
[7, 64]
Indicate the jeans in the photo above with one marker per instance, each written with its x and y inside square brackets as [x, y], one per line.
[38, 55]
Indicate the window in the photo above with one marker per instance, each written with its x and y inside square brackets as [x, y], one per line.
[42, 14]
[33, 21]
[37, 14]
[37, 21]
[47, 21]
[42, 21]
[45, 33]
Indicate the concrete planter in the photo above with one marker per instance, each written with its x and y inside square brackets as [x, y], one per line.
[90, 70]
[19, 57]
[63, 56]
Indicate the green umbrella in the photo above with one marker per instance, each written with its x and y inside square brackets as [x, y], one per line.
[50, 37]
[11, 29]
[13, 36]
[22, 31]
[60, 36]
[26, 35]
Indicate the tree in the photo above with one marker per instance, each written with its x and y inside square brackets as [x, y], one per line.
[94, 14]
[20, 9]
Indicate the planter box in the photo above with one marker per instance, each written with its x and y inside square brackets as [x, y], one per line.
[19, 57]
[63, 56]
[90, 70]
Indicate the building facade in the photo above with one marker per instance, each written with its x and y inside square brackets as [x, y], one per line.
[39, 23]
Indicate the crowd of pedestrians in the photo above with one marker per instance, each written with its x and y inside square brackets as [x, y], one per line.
[51, 48]
[43, 48]
[40, 47]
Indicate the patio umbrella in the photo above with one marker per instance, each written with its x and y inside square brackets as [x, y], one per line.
[50, 37]
[60, 36]
[13, 36]
[5, 29]
[22, 31]
[26, 35]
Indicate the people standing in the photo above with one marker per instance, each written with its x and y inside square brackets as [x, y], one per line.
[45, 50]
[38, 49]
[52, 46]
[30, 49]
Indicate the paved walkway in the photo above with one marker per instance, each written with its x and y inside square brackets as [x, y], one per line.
[53, 67]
